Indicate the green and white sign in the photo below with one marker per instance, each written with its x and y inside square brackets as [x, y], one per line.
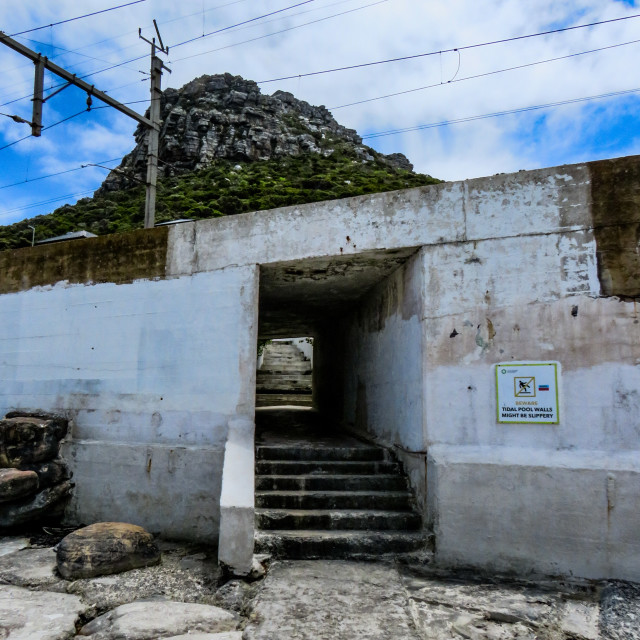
[527, 392]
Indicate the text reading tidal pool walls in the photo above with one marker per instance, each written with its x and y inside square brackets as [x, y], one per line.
[528, 392]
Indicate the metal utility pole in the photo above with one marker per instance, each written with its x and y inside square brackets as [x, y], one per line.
[154, 132]
[153, 123]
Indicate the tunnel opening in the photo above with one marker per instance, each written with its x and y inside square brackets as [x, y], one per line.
[323, 299]
[332, 479]
[284, 376]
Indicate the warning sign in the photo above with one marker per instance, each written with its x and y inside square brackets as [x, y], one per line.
[527, 392]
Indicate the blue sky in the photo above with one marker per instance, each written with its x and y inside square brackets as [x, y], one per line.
[323, 34]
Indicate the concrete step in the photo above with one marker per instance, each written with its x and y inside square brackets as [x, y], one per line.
[301, 368]
[310, 482]
[275, 383]
[339, 544]
[325, 519]
[315, 467]
[288, 388]
[385, 500]
[280, 399]
[346, 453]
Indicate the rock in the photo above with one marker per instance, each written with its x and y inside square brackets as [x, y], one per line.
[105, 548]
[227, 635]
[142, 620]
[33, 568]
[580, 620]
[16, 484]
[46, 505]
[49, 473]
[11, 545]
[180, 576]
[29, 439]
[325, 600]
[620, 611]
[226, 117]
[37, 615]
[501, 603]
[235, 595]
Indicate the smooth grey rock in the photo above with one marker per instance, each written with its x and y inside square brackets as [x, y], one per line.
[35, 568]
[143, 620]
[15, 484]
[320, 600]
[45, 505]
[498, 602]
[11, 545]
[580, 619]
[37, 615]
[180, 576]
[104, 548]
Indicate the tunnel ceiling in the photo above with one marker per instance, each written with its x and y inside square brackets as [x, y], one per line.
[297, 297]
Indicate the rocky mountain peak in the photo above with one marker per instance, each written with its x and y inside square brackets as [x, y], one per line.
[227, 117]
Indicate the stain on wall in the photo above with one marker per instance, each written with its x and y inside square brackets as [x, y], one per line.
[615, 193]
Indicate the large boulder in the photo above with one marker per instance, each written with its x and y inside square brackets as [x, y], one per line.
[29, 439]
[104, 548]
[15, 484]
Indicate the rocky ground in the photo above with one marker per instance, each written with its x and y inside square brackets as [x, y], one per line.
[187, 597]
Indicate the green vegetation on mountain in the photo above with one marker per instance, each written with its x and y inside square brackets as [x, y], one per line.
[222, 188]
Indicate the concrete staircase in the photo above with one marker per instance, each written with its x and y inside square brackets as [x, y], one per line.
[284, 378]
[348, 499]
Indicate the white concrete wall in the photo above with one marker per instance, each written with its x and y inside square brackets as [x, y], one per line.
[383, 370]
[531, 497]
[150, 373]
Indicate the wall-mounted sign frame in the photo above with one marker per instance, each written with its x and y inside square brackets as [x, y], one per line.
[527, 392]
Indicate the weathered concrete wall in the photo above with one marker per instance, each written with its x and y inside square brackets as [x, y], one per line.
[522, 281]
[383, 370]
[538, 266]
[151, 373]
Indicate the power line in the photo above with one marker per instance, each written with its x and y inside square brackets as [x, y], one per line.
[55, 124]
[50, 175]
[496, 114]
[50, 201]
[266, 15]
[275, 33]
[484, 75]
[86, 15]
[454, 49]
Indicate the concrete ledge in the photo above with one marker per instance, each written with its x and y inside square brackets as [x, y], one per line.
[552, 512]
[235, 543]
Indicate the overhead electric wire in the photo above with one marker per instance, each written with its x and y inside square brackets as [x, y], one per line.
[275, 33]
[51, 175]
[86, 15]
[444, 123]
[55, 124]
[451, 50]
[484, 75]
[266, 15]
[50, 201]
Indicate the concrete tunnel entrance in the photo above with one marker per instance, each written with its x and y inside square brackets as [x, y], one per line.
[319, 298]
